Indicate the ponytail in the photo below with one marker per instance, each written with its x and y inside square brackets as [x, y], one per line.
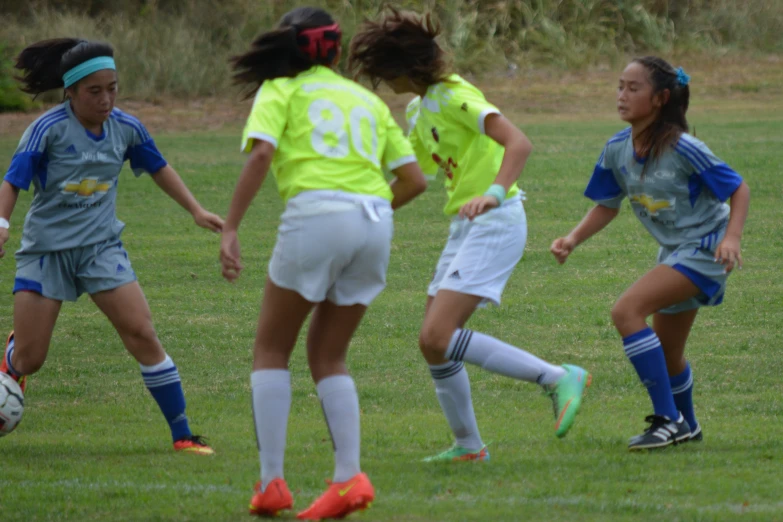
[44, 63]
[305, 37]
[671, 123]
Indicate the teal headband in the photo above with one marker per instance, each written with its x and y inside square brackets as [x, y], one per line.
[87, 68]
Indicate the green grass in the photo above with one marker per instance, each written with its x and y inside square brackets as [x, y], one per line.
[93, 446]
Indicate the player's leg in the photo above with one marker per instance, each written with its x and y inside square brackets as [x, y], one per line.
[28, 344]
[328, 339]
[452, 388]
[660, 288]
[359, 280]
[127, 309]
[41, 283]
[673, 331]
[473, 271]
[283, 312]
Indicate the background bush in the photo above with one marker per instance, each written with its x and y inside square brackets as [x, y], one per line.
[180, 47]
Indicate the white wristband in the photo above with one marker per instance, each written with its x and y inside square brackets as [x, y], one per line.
[4, 223]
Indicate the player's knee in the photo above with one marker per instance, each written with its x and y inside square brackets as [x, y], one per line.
[434, 340]
[28, 359]
[623, 312]
[141, 334]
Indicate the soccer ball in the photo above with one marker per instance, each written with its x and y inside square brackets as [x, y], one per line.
[11, 404]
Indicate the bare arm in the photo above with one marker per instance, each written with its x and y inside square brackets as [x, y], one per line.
[250, 180]
[8, 196]
[728, 252]
[517, 150]
[170, 183]
[595, 220]
[409, 182]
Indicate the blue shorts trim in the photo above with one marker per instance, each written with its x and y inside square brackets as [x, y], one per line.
[709, 287]
[27, 285]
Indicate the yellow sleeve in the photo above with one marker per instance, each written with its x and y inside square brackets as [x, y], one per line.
[268, 117]
[469, 108]
[398, 151]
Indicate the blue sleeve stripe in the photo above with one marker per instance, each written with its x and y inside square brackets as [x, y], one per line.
[699, 166]
[601, 157]
[42, 126]
[137, 126]
[697, 153]
[127, 117]
[620, 136]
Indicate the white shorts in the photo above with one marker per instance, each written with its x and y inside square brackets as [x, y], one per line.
[333, 245]
[481, 254]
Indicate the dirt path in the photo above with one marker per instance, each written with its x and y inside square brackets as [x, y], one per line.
[741, 84]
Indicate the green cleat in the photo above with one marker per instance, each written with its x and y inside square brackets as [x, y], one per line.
[459, 453]
[566, 395]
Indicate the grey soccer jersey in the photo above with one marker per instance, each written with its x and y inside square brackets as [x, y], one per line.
[75, 175]
[681, 196]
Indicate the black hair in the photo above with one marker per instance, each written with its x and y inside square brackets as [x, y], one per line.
[285, 51]
[44, 63]
[400, 43]
[671, 123]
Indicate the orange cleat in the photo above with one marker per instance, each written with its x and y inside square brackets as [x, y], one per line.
[22, 380]
[193, 444]
[341, 499]
[274, 499]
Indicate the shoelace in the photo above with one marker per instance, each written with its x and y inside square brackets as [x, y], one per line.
[197, 439]
[656, 421]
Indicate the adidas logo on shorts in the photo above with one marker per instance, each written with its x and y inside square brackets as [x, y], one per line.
[455, 275]
[120, 269]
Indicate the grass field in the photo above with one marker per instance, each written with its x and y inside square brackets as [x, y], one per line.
[93, 445]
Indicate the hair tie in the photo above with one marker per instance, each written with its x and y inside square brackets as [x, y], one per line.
[319, 42]
[682, 78]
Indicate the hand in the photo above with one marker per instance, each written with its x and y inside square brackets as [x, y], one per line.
[561, 248]
[728, 253]
[477, 206]
[230, 256]
[208, 220]
[3, 238]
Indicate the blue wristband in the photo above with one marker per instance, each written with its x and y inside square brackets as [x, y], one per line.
[497, 192]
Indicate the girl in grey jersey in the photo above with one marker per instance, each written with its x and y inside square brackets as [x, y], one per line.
[73, 155]
[678, 189]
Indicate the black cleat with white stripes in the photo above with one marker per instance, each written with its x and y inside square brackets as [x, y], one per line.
[661, 433]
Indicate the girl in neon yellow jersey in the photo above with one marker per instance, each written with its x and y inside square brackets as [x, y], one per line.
[327, 141]
[453, 128]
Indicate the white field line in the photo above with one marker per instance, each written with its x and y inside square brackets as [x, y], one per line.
[462, 498]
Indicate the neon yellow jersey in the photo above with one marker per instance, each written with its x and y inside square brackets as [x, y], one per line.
[329, 134]
[446, 131]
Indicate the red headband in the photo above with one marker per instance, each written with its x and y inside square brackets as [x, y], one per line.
[319, 42]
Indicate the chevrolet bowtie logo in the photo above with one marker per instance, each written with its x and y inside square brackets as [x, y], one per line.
[86, 187]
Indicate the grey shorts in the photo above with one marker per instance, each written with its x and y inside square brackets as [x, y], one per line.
[696, 261]
[64, 275]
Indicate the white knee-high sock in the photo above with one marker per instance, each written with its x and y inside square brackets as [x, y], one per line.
[340, 403]
[499, 357]
[452, 387]
[271, 406]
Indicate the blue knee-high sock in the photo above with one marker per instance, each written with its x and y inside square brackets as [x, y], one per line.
[646, 354]
[682, 389]
[163, 382]
[8, 353]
